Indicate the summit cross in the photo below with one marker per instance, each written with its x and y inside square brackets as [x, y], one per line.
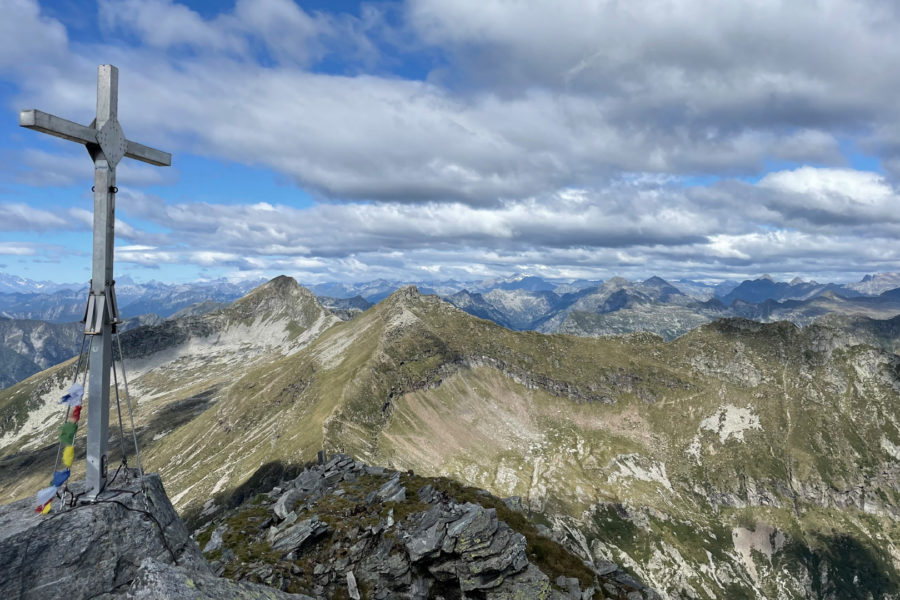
[106, 145]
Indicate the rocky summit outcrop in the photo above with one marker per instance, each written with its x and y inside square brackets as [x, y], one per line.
[344, 529]
[128, 544]
[338, 530]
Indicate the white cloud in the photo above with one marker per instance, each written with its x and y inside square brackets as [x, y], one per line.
[28, 40]
[669, 92]
[21, 217]
[560, 136]
[833, 196]
[165, 24]
[628, 229]
[17, 249]
[863, 187]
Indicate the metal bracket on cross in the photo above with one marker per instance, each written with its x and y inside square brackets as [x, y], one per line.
[101, 308]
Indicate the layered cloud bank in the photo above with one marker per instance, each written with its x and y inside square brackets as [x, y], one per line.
[466, 138]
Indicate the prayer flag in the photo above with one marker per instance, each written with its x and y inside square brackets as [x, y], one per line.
[45, 495]
[67, 433]
[74, 395]
[76, 414]
[60, 477]
[68, 455]
[46, 508]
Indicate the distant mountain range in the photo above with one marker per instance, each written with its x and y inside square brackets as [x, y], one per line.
[66, 303]
[619, 306]
[523, 302]
[22, 298]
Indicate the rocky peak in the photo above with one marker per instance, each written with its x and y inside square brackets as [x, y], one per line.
[399, 309]
[282, 289]
[405, 294]
[280, 298]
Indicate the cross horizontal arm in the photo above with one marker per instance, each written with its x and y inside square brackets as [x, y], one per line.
[47, 123]
[148, 155]
[41, 121]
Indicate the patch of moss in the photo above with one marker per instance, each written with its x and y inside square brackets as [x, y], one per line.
[294, 330]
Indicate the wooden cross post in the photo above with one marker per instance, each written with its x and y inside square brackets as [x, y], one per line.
[107, 145]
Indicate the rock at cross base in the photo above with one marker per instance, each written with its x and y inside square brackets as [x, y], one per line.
[128, 545]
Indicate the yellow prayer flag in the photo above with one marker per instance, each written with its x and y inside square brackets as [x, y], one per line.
[68, 455]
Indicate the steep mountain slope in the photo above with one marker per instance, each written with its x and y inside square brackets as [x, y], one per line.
[656, 453]
[802, 312]
[27, 347]
[619, 306]
[476, 305]
[522, 308]
[61, 306]
[740, 460]
[176, 370]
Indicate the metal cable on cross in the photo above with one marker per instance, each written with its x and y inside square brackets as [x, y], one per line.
[73, 399]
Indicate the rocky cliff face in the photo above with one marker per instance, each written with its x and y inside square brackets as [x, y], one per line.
[27, 347]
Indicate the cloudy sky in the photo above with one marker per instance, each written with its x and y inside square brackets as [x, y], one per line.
[437, 139]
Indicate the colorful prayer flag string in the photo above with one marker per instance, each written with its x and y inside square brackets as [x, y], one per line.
[73, 398]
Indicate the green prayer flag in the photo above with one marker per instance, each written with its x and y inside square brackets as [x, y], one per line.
[67, 433]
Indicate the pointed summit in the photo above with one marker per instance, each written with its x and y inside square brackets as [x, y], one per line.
[281, 296]
[406, 296]
[656, 280]
[407, 292]
[285, 309]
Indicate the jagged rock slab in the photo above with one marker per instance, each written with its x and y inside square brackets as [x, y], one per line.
[296, 536]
